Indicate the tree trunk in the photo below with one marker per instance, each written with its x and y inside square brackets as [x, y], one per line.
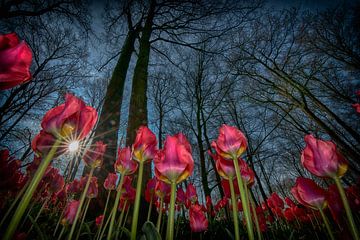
[109, 120]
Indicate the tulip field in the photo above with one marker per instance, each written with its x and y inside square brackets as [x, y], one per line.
[235, 147]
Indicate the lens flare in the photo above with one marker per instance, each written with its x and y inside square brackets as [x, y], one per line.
[73, 146]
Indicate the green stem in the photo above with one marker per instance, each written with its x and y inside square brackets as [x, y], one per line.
[30, 191]
[82, 199]
[120, 220]
[106, 224]
[38, 215]
[150, 207]
[171, 219]
[83, 217]
[62, 232]
[253, 207]
[123, 226]
[116, 205]
[158, 223]
[137, 201]
[234, 209]
[349, 215]
[328, 229]
[244, 200]
[58, 223]
[14, 203]
[104, 213]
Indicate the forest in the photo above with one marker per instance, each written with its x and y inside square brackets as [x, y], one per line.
[169, 119]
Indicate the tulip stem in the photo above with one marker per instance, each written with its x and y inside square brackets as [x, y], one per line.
[30, 191]
[137, 201]
[328, 229]
[83, 217]
[116, 204]
[126, 215]
[82, 199]
[171, 219]
[150, 207]
[253, 207]
[105, 226]
[62, 232]
[244, 199]
[104, 213]
[349, 215]
[234, 209]
[120, 219]
[38, 215]
[158, 223]
[58, 223]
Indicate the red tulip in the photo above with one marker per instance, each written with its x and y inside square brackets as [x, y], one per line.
[144, 147]
[128, 192]
[42, 143]
[110, 181]
[70, 212]
[221, 204]
[356, 106]
[93, 188]
[274, 201]
[247, 174]
[162, 189]
[335, 204]
[225, 168]
[11, 178]
[191, 194]
[72, 120]
[94, 157]
[231, 142]
[322, 159]
[124, 163]
[73, 187]
[309, 194]
[56, 183]
[198, 220]
[15, 61]
[180, 196]
[99, 220]
[150, 190]
[174, 163]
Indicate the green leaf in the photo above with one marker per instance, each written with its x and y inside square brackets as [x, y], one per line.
[150, 232]
[37, 229]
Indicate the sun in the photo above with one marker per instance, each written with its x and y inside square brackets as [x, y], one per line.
[73, 146]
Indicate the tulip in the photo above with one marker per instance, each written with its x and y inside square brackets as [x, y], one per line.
[93, 188]
[230, 145]
[94, 157]
[231, 142]
[144, 145]
[274, 201]
[110, 181]
[226, 187]
[290, 202]
[144, 149]
[149, 194]
[15, 61]
[247, 174]
[70, 121]
[174, 164]
[124, 163]
[180, 196]
[191, 194]
[73, 187]
[335, 204]
[309, 194]
[70, 212]
[322, 159]
[99, 220]
[198, 220]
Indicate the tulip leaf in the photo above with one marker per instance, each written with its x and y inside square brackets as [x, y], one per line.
[150, 232]
[37, 229]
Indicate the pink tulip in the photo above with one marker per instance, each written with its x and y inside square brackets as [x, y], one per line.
[231, 142]
[174, 163]
[72, 120]
[15, 61]
[125, 163]
[198, 220]
[144, 147]
[322, 159]
[110, 181]
[309, 194]
[70, 212]
[93, 188]
[162, 189]
[42, 143]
